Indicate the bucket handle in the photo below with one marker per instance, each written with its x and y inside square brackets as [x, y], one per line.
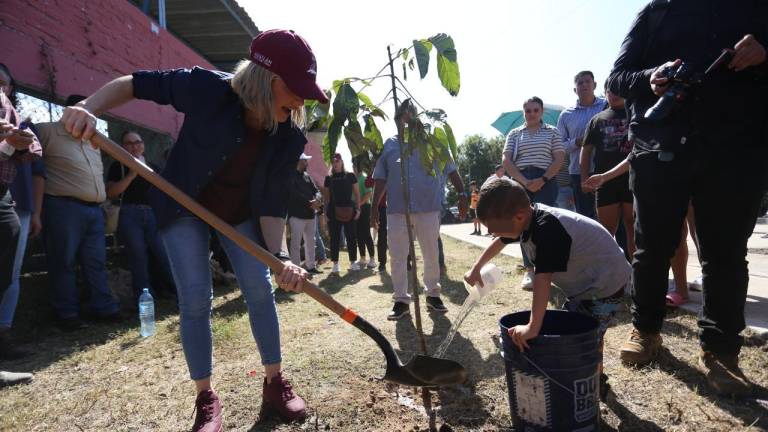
[528, 359]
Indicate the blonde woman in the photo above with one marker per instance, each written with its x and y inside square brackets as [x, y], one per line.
[240, 140]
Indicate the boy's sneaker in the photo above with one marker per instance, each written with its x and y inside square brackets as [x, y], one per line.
[279, 396]
[641, 348]
[527, 283]
[335, 270]
[12, 378]
[724, 375]
[372, 264]
[208, 408]
[436, 304]
[398, 311]
[355, 266]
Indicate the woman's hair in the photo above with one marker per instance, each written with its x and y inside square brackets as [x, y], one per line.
[253, 84]
[13, 97]
[343, 169]
[534, 99]
[501, 198]
[128, 131]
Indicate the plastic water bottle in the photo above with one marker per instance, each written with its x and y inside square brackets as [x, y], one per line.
[147, 313]
[491, 276]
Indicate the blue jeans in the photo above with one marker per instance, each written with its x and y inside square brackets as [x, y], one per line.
[186, 240]
[546, 195]
[565, 198]
[11, 296]
[137, 230]
[585, 202]
[74, 234]
[319, 243]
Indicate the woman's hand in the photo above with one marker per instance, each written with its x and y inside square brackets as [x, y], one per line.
[535, 185]
[20, 139]
[292, 277]
[593, 182]
[79, 122]
[521, 334]
[357, 213]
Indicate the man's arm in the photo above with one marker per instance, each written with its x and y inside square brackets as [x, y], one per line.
[628, 78]
[379, 187]
[38, 189]
[458, 184]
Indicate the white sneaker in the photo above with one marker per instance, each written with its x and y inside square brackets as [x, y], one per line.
[696, 284]
[355, 266]
[372, 264]
[335, 269]
[527, 282]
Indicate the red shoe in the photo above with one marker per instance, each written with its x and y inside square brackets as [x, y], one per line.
[279, 396]
[208, 407]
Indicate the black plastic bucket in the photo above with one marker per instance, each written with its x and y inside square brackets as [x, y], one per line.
[554, 386]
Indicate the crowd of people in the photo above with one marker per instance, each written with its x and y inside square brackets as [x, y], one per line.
[632, 183]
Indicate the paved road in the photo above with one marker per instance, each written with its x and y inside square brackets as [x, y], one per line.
[756, 309]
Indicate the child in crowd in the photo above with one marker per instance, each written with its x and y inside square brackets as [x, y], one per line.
[474, 196]
[570, 250]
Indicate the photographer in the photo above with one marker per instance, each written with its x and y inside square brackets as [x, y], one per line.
[712, 140]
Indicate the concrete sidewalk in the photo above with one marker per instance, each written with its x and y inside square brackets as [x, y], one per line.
[756, 309]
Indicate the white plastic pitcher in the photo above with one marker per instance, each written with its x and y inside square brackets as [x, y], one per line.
[491, 277]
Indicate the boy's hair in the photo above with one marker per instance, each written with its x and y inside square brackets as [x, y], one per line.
[501, 198]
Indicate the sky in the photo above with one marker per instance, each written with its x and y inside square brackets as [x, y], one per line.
[507, 51]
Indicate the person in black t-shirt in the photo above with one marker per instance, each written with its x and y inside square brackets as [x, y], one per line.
[303, 202]
[607, 137]
[137, 226]
[343, 212]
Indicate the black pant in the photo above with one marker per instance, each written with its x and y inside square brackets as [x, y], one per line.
[9, 238]
[724, 183]
[364, 239]
[381, 239]
[349, 233]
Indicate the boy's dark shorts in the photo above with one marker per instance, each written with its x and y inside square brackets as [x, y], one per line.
[472, 213]
[614, 191]
[603, 310]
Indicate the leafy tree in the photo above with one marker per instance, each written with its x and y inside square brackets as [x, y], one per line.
[478, 157]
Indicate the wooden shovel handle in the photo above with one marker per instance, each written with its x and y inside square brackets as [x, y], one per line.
[248, 245]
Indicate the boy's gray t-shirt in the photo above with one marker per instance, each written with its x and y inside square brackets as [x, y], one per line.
[584, 259]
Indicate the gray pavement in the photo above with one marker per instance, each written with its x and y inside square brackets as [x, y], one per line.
[756, 309]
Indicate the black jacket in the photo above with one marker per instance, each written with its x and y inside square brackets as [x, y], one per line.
[301, 190]
[729, 107]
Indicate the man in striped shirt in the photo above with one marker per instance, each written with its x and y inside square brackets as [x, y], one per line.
[572, 124]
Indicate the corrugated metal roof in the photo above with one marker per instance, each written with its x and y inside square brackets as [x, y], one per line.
[220, 30]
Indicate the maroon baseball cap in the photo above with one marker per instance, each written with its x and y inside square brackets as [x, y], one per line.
[289, 56]
[337, 156]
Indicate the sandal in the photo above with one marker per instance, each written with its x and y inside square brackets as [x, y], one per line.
[675, 300]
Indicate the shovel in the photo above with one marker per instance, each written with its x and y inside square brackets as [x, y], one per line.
[421, 370]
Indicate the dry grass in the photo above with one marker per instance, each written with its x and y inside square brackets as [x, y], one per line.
[107, 378]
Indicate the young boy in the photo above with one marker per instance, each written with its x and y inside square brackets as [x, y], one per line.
[473, 198]
[570, 250]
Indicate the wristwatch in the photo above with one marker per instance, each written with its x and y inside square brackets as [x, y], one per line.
[545, 178]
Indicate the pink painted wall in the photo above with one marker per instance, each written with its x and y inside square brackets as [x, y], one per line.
[87, 43]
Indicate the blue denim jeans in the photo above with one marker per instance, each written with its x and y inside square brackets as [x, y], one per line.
[11, 296]
[546, 195]
[74, 234]
[320, 253]
[585, 202]
[186, 240]
[137, 230]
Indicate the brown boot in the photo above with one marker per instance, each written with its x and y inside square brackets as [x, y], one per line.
[209, 410]
[723, 374]
[641, 348]
[279, 396]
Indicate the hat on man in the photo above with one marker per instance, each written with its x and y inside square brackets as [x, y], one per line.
[337, 156]
[289, 56]
[305, 156]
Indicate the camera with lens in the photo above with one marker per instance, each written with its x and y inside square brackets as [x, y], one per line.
[680, 79]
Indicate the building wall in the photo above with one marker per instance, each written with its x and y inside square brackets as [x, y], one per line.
[78, 46]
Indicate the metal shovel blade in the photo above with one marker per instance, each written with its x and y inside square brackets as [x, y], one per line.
[425, 371]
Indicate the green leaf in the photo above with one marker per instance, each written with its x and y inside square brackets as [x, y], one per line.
[448, 71]
[317, 114]
[410, 64]
[379, 113]
[436, 114]
[372, 133]
[451, 141]
[358, 144]
[422, 49]
[345, 105]
[405, 54]
[366, 101]
[405, 73]
[447, 65]
[332, 138]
